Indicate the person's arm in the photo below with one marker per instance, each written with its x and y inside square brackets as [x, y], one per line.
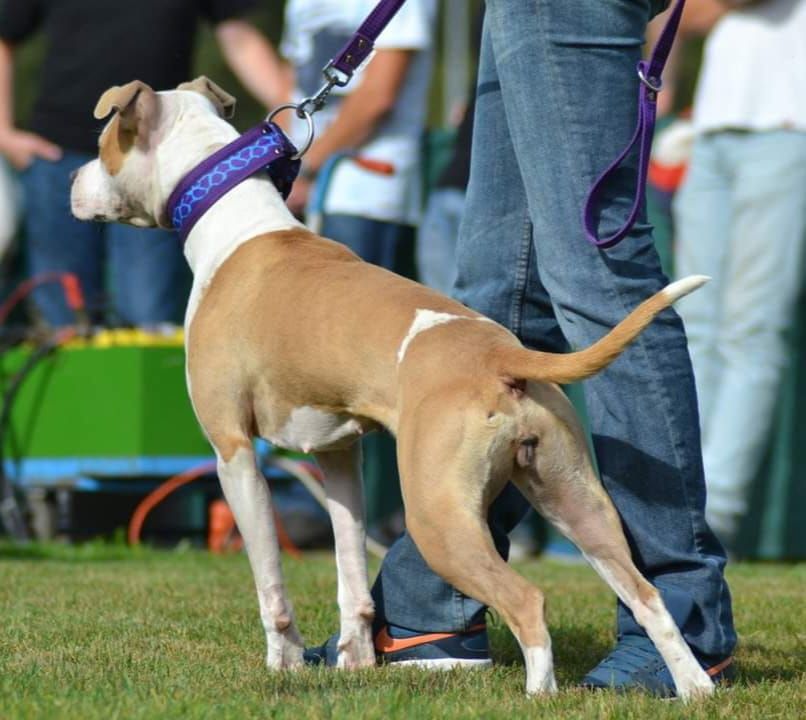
[253, 60]
[18, 146]
[359, 115]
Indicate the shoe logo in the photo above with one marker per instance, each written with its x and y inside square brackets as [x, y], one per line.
[385, 643]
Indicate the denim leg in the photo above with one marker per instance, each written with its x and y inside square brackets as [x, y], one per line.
[495, 234]
[148, 273]
[761, 278]
[565, 72]
[56, 241]
[389, 245]
[437, 238]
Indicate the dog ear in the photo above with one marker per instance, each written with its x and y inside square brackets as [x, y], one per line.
[136, 103]
[223, 101]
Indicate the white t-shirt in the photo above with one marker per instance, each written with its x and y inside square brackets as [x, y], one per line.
[315, 30]
[753, 75]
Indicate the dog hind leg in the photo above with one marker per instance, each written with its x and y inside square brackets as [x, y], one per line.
[342, 471]
[585, 514]
[248, 496]
[446, 513]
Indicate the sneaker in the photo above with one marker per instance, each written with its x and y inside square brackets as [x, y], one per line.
[635, 664]
[432, 651]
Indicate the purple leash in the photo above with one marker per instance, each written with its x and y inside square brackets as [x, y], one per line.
[649, 73]
[339, 71]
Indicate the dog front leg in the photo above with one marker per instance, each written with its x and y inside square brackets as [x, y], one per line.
[248, 495]
[345, 503]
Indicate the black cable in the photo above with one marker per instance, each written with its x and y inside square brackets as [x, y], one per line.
[10, 514]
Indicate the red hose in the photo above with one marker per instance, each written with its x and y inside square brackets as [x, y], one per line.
[156, 496]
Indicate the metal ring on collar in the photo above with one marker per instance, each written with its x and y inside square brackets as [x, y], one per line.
[302, 113]
[653, 83]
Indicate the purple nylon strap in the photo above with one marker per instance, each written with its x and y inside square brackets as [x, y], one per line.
[265, 146]
[649, 73]
[361, 44]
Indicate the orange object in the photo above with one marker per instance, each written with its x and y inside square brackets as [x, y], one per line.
[224, 534]
[385, 643]
[377, 166]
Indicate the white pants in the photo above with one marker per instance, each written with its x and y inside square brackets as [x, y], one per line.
[740, 218]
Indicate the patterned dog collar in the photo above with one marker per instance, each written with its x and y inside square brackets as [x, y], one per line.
[263, 147]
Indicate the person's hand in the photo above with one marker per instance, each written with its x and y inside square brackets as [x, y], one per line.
[21, 148]
[298, 198]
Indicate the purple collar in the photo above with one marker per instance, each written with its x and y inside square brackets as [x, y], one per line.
[263, 147]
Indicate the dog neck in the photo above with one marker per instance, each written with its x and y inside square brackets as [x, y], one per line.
[252, 208]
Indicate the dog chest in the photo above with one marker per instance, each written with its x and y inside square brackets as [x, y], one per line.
[308, 429]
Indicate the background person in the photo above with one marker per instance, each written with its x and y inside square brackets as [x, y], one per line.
[380, 115]
[92, 45]
[741, 218]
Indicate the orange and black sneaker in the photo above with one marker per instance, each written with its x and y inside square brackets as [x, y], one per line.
[434, 651]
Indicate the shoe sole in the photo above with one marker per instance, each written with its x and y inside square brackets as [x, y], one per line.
[441, 663]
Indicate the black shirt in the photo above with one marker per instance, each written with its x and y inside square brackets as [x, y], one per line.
[94, 44]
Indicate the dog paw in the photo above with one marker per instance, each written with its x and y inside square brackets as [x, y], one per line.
[356, 649]
[284, 650]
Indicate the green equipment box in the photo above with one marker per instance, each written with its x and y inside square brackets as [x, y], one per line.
[115, 405]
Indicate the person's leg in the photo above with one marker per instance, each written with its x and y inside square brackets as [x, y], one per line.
[568, 82]
[149, 276]
[648, 452]
[496, 275]
[437, 238]
[702, 236]
[763, 277]
[56, 241]
[390, 245]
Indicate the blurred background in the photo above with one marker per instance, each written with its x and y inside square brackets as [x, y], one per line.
[93, 424]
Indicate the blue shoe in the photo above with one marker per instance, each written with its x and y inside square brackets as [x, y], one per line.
[326, 654]
[433, 651]
[635, 664]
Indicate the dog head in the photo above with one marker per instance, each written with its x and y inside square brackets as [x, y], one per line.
[150, 142]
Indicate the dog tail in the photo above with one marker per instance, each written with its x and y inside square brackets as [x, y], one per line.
[520, 363]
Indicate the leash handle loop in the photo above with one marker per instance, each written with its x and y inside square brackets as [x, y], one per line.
[649, 74]
[359, 47]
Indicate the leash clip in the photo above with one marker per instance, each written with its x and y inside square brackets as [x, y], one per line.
[652, 84]
[314, 103]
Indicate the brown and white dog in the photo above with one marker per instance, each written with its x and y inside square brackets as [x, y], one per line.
[291, 337]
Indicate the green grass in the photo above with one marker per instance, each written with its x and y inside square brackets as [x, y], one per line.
[107, 632]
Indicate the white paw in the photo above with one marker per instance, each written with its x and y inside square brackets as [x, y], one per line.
[355, 648]
[697, 685]
[284, 649]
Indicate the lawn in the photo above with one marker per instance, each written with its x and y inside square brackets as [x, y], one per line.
[108, 632]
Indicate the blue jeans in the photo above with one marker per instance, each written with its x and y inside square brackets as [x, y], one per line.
[436, 241]
[557, 94]
[740, 218]
[146, 268]
[388, 244]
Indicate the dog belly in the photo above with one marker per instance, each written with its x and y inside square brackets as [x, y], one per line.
[308, 429]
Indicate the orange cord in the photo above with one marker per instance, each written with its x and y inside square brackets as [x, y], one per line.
[157, 495]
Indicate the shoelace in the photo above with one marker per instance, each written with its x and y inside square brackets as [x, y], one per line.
[632, 652]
